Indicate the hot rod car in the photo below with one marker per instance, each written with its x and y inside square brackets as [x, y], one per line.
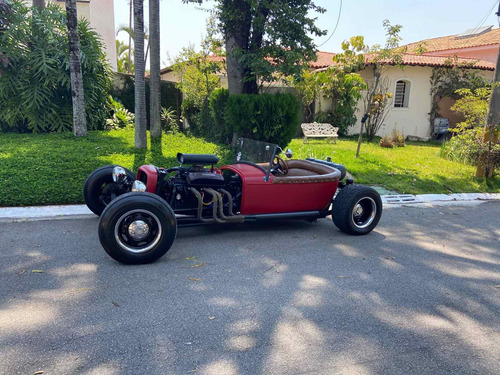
[140, 214]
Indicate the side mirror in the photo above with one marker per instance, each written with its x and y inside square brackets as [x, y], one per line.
[289, 153]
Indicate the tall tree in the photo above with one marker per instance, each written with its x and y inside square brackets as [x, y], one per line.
[154, 75]
[266, 40]
[140, 81]
[492, 126]
[39, 3]
[376, 99]
[77, 94]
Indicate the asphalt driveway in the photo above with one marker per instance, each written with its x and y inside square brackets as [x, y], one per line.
[420, 295]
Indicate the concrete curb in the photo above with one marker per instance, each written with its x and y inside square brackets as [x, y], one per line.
[81, 211]
[439, 198]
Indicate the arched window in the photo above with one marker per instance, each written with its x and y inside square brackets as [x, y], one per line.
[402, 94]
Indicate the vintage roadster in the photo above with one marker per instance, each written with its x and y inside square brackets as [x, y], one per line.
[139, 215]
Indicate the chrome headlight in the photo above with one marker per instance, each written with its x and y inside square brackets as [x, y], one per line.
[139, 186]
[119, 174]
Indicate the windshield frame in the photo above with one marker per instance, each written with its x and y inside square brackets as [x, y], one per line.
[242, 159]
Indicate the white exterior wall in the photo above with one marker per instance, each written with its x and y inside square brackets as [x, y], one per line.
[413, 120]
[102, 19]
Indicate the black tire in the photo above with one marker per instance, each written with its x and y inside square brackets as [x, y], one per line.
[116, 227]
[96, 183]
[353, 219]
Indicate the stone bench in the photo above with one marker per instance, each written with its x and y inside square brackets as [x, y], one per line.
[319, 130]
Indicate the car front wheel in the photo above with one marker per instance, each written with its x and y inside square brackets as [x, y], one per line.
[99, 189]
[137, 228]
[357, 209]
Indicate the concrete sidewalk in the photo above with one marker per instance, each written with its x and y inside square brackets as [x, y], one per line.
[44, 212]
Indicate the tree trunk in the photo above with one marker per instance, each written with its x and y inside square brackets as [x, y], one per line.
[371, 91]
[140, 82]
[154, 60]
[39, 3]
[235, 74]
[130, 37]
[77, 94]
[485, 165]
[360, 138]
[237, 35]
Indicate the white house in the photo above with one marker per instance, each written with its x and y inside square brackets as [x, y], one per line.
[411, 86]
[101, 15]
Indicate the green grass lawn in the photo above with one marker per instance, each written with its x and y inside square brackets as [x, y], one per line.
[414, 169]
[37, 169]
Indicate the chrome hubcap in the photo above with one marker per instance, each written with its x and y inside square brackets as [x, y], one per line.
[364, 212]
[138, 229]
[358, 210]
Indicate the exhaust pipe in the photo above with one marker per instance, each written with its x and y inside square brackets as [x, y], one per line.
[228, 219]
[215, 199]
[230, 201]
[197, 194]
[218, 207]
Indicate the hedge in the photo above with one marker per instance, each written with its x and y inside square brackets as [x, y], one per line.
[273, 118]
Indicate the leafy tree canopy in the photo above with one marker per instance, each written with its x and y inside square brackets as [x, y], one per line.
[269, 38]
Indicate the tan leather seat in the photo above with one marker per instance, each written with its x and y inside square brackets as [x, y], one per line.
[303, 171]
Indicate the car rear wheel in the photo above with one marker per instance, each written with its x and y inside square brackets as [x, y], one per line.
[357, 209]
[99, 189]
[137, 228]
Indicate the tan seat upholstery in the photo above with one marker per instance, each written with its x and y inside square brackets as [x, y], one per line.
[303, 171]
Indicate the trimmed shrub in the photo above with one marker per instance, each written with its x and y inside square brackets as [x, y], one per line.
[218, 102]
[272, 118]
[204, 123]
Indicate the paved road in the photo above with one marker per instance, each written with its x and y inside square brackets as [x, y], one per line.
[420, 295]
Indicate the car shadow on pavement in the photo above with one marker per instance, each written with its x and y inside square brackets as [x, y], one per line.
[418, 295]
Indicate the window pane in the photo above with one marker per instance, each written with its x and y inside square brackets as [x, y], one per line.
[399, 95]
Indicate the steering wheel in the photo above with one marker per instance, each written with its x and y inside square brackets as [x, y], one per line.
[280, 165]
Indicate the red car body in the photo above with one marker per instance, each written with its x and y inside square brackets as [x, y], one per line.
[264, 197]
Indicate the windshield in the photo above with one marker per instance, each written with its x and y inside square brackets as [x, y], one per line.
[257, 152]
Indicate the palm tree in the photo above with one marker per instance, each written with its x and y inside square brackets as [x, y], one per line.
[75, 65]
[140, 81]
[123, 59]
[130, 32]
[154, 67]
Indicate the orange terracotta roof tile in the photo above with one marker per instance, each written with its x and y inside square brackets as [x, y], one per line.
[423, 60]
[324, 59]
[452, 42]
[442, 61]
